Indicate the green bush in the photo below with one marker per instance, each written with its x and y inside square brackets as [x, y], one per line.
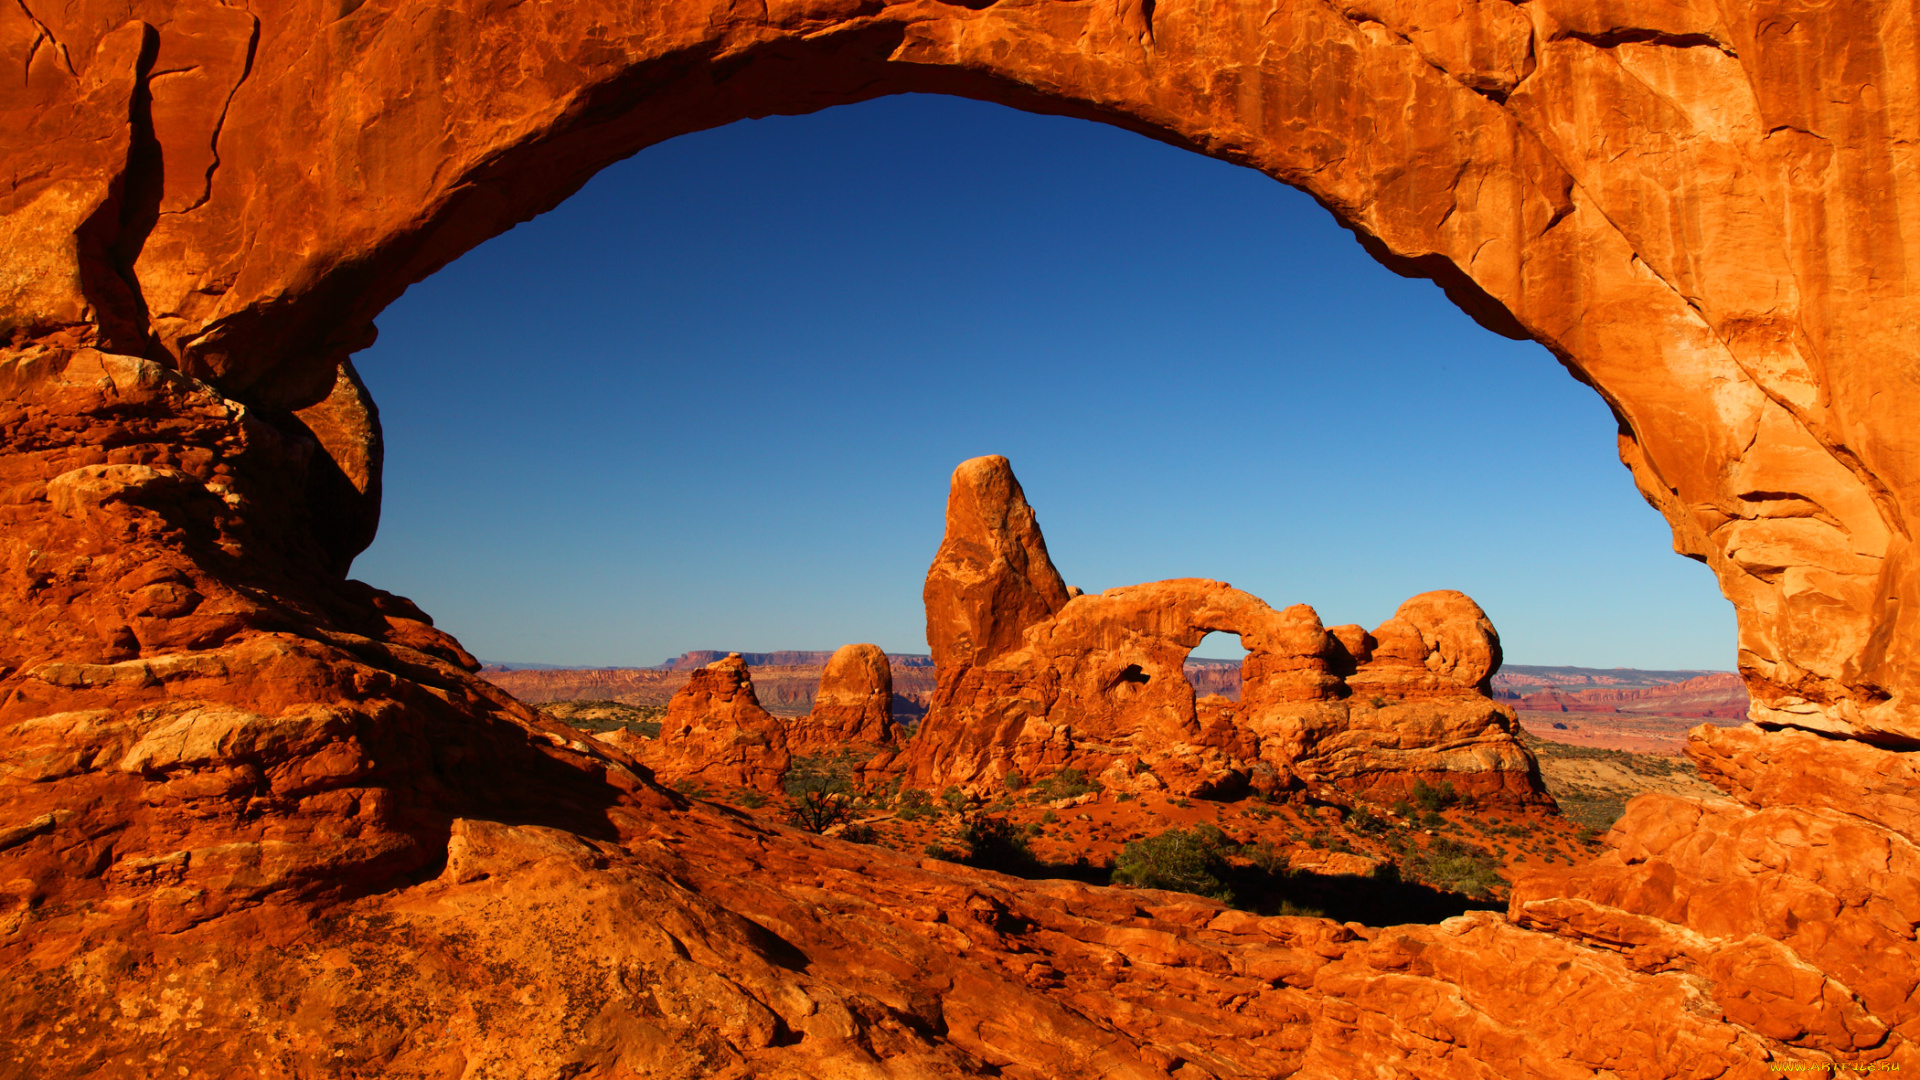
[1363, 820]
[821, 790]
[1434, 798]
[1015, 781]
[750, 799]
[1065, 784]
[913, 804]
[1185, 860]
[1457, 867]
[994, 843]
[955, 799]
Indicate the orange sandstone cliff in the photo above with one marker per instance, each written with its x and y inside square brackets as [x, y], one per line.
[257, 819]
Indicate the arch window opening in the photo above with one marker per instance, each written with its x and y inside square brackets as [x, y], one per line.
[748, 448]
[712, 402]
[1213, 667]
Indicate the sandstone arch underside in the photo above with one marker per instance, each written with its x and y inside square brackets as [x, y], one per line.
[211, 736]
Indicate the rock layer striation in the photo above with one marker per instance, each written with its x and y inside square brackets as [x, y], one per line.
[256, 818]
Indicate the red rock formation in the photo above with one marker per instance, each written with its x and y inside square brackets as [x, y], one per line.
[1817, 951]
[1100, 687]
[255, 818]
[991, 578]
[715, 732]
[854, 705]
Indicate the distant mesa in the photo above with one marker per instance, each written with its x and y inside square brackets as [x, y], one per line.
[699, 658]
[1715, 695]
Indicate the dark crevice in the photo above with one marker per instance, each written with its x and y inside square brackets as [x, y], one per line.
[111, 238]
[1878, 739]
[1629, 36]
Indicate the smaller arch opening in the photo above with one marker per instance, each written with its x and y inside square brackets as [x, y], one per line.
[1213, 667]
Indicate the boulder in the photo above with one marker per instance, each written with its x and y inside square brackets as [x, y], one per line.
[854, 705]
[715, 732]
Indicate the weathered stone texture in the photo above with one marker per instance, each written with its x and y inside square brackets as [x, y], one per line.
[257, 819]
[1099, 686]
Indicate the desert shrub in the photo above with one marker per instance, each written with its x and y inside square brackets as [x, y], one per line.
[1267, 859]
[750, 799]
[1364, 820]
[955, 799]
[1049, 817]
[692, 789]
[1066, 784]
[1191, 860]
[994, 843]
[1457, 867]
[1434, 798]
[860, 834]
[1015, 781]
[821, 791]
[913, 804]
[936, 851]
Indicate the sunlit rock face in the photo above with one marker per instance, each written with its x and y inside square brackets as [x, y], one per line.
[1096, 683]
[716, 733]
[255, 817]
[854, 705]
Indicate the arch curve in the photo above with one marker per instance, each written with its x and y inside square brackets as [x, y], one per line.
[1620, 193]
[1702, 208]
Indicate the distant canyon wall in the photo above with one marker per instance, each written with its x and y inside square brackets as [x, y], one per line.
[784, 689]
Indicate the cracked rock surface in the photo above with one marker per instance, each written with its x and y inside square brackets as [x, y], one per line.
[257, 819]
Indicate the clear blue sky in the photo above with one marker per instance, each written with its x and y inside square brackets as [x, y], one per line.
[713, 400]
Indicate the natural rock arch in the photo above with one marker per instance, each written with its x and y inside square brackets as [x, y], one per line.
[1701, 208]
[1659, 193]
